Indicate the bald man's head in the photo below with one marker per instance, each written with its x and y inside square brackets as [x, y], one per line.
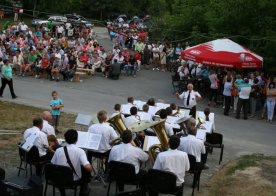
[46, 115]
[190, 87]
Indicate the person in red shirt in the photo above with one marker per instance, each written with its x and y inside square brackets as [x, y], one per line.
[138, 58]
[125, 54]
[85, 59]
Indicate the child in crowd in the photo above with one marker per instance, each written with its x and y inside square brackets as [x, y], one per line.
[56, 105]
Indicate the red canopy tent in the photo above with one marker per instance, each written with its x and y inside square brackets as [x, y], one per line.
[223, 53]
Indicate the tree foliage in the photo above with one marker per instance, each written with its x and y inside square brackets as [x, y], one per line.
[251, 23]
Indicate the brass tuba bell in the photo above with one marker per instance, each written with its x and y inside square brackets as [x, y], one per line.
[160, 131]
[120, 126]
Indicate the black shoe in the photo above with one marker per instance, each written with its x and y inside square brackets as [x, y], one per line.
[1, 96]
[237, 117]
[14, 97]
[245, 118]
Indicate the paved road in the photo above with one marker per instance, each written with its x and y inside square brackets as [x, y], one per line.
[97, 93]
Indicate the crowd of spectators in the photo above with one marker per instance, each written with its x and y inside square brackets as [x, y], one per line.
[253, 92]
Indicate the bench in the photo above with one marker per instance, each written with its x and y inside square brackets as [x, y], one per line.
[78, 74]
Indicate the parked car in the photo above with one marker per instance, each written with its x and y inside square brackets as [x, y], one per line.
[78, 20]
[56, 20]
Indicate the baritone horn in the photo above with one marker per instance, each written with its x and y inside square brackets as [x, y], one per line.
[120, 126]
[159, 129]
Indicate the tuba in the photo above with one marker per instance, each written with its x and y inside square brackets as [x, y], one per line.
[159, 129]
[120, 126]
[118, 123]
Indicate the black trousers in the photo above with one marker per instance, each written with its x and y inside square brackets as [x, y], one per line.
[242, 104]
[45, 158]
[10, 84]
[214, 94]
[227, 104]
[193, 112]
[179, 190]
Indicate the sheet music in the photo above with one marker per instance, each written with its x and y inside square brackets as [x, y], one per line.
[172, 119]
[153, 110]
[83, 119]
[149, 141]
[139, 104]
[94, 141]
[200, 134]
[88, 140]
[82, 139]
[29, 143]
[162, 105]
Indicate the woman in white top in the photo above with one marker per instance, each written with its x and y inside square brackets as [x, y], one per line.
[214, 87]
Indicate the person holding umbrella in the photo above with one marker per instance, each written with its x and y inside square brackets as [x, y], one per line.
[7, 78]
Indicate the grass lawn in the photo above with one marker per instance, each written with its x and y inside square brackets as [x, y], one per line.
[19, 117]
[249, 175]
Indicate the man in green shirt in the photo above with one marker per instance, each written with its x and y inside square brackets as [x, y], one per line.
[140, 46]
[7, 78]
[31, 62]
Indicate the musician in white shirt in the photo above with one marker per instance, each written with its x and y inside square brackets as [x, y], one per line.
[189, 98]
[130, 120]
[41, 142]
[163, 116]
[127, 153]
[190, 144]
[145, 115]
[117, 108]
[77, 157]
[126, 107]
[107, 132]
[48, 129]
[173, 161]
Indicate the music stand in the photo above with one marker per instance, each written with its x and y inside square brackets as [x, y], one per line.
[83, 120]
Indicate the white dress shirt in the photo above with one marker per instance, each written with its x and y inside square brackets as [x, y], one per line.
[76, 155]
[169, 129]
[145, 116]
[173, 161]
[193, 96]
[130, 120]
[128, 154]
[116, 113]
[48, 129]
[108, 135]
[193, 146]
[126, 108]
[245, 91]
[41, 141]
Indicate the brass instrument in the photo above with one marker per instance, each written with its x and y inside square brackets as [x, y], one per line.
[159, 129]
[200, 122]
[119, 124]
